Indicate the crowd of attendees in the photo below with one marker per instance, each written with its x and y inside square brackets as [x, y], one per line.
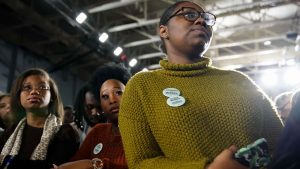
[188, 114]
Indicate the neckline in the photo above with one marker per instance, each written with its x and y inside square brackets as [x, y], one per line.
[200, 67]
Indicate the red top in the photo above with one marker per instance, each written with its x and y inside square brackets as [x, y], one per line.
[102, 143]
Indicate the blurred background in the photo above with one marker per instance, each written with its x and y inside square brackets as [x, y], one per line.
[71, 38]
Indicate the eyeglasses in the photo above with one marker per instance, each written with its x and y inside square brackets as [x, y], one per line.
[191, 14]
[39, 88]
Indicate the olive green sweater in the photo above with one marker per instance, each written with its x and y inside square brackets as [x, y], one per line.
[221, 108]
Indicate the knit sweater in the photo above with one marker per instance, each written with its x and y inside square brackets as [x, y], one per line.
[102, 143]
[221, 108]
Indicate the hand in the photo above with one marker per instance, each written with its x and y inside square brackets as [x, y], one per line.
[225, 160]
[54, 166]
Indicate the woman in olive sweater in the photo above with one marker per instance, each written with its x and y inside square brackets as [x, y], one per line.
[189, 114]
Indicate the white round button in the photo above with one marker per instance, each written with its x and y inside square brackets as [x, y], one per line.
[176, 101]
[98, 148]
[171, 92]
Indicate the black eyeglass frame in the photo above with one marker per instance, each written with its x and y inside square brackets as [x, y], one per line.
[39, 88]
[198, 12]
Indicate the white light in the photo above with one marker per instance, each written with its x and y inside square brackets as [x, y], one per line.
[232, 67]
[297, 48]
[269, 79]
[290, 76]
[290, 62]
[132, 62]
[81, 17]
[267, 43]
[281, 62]
[215, 28]
[103, 37]
[118, 51]
[145, 70]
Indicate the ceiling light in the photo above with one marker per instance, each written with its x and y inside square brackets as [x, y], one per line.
[118, 51]
[103, 37]
[267, 43]
[145, 70]
[81, 17]
[132, 62]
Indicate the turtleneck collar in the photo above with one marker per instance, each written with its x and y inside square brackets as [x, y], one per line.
[193, 69]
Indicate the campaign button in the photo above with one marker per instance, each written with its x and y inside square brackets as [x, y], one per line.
[171, 92]
[176, 101]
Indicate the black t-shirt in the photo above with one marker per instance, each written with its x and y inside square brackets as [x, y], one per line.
[31, 138]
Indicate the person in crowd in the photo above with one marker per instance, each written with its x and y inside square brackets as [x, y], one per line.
[39, 140]
[87, 111]
[8, 119]
[102, 146]
[283, 103]
[189, 114]
[68, 115]
[287, 153]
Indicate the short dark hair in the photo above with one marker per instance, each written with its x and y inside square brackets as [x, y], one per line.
[3, 95]
[110, 70]
[70, 107]
[169, 12]
[164, 20]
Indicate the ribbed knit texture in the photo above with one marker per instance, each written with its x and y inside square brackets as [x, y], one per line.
[222, 108]
[112, 153]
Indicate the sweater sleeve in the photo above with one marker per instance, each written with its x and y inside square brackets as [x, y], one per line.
[85, 149]
[141, 148]
[63, 146]
[272, 125]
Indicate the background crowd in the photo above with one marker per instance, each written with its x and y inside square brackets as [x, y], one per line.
[188, 114]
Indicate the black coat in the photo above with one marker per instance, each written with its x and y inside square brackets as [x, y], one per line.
[287, 154]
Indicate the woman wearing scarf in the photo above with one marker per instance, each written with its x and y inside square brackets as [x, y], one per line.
[39, 140]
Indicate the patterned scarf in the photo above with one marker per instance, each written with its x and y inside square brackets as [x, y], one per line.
[51, 127]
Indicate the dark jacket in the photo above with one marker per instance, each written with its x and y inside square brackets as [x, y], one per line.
[287, 154]
[61, 148]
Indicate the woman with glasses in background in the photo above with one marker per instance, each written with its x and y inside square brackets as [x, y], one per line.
[39, 140]
[189, 114]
